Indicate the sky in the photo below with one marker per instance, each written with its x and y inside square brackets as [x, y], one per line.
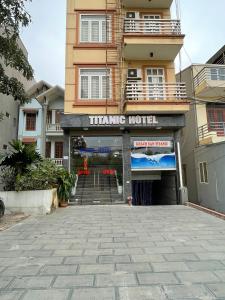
[203, 23]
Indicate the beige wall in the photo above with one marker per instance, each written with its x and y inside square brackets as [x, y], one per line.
[78, 55]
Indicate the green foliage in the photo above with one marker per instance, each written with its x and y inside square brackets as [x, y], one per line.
[13, 16]
[42, 176]
[21, 157]
[8, 179]
[65, 185]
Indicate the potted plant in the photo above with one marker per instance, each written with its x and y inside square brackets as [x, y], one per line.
[66, 183]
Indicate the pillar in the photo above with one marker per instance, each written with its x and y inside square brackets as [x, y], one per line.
[127, 183]
[66, 150]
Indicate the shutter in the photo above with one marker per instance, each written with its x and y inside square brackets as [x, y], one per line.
[95, 91]
[84, 31]
[95, 31]
[84, 87]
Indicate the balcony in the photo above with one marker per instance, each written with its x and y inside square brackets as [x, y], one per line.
[54, 129]
[58, 161]
[147, 4]
[162, 97]
[213, 132]
[210, 82]
[159, 39]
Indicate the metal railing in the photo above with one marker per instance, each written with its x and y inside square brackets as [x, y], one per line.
[146, 26]
[58, 161]
[54, 127]
[144, 91]
[210, 73]
[206, 130]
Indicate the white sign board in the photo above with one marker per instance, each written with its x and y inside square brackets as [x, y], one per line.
[154, 144]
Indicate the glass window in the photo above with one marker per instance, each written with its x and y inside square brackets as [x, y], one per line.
[95, 84]
[58, 149]
[95, 29]
[30, 121]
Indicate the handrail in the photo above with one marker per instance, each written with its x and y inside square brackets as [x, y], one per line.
[210, 73]
[206, 130]
[148, 26]
[54, 127]
[139, 90]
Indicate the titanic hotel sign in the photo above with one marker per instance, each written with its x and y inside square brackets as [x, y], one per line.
[123, 120]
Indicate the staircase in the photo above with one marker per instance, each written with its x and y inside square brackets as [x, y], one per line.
[96, 189]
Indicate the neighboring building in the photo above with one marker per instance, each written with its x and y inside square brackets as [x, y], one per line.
[203, 138]
[10, 108]
[123, 107]
[39, 120]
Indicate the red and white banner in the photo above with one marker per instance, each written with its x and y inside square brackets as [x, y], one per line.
[154, 144]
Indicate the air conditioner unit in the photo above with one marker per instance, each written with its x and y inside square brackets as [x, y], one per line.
[134, 73]
[133, 15]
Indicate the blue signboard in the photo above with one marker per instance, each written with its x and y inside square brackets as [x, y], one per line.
[140, 161]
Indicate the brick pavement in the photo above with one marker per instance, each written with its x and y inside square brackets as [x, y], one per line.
[114, 253]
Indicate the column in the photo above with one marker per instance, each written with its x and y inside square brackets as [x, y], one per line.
[66, 150]
[44, 124]
[127, 183]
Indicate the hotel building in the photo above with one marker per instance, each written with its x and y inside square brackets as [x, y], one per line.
[123, 108]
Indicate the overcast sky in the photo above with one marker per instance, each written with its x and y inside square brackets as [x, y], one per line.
[203, 23]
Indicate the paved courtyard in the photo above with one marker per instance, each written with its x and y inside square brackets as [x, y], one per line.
[114, 253]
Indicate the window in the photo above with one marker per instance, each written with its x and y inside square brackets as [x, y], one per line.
[203, 169]
[95, 84]
[49, 117]
[7, 115]
[95, 29]
[5, 147]
[58, 149]
[30, 121]
[58, 116]
[218, 74]
[156, 78]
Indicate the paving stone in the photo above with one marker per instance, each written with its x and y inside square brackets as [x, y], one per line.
[188, 249]
[134, 267]
[181, 257]
[197, 277]
[11, 295]
[218, 289]
[80, 260]
[47, 294]
[44, 260]
[188, 292]
[94, 294]
[4, 281]
[10, 253]
[76, 252]
[59, 270]
[98, 252]
[96, 269]
[142, 293]
[105, 259]
[32, 282]
[112, 245]
[221, 274]
[74, 281]
[205, 265]
[129, 251]
[116, 279]
[147, 258]
[211, 255]
[57, 246]
[21, 270]
[157, 278]
[169, 266]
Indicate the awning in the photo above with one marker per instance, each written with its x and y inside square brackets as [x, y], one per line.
[29, 140]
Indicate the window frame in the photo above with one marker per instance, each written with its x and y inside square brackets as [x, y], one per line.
[100, 39]
[35, 122]
[55, 150]
[203, 172]
[89, 98]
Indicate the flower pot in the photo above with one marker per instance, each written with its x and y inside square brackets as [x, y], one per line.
[63, 204]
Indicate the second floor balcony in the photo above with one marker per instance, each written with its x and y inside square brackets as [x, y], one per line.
[161, 97]
[147, 4]
[155, 39]
[210, 81]
[54, 129]
[212, 132]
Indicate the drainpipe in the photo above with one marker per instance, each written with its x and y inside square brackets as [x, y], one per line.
[183, 193]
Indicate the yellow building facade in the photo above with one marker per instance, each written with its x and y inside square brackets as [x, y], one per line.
[120, 82]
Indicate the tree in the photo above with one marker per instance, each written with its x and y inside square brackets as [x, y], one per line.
[13, 16]
[21, 158]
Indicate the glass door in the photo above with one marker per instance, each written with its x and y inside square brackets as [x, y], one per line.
[155, 79]
[151, 25]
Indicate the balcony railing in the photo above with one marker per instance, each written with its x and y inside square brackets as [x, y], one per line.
[148, 27]
[144, 91]
[54, 127]
[206, 130]
[58, 161]
[210, 73]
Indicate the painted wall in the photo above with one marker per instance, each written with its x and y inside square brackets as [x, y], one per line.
[212, 195]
